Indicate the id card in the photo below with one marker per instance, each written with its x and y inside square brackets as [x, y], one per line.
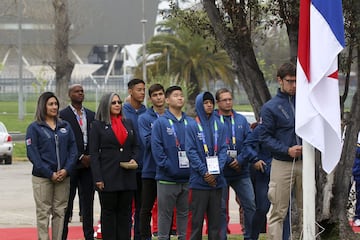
[213, 164]
[232, 153]
[183, 160]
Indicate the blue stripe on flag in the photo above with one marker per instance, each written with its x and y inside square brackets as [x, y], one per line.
[332, 13]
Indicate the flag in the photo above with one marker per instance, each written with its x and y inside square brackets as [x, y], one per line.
[317, 114]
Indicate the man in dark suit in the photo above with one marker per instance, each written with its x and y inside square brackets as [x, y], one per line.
[80, 119]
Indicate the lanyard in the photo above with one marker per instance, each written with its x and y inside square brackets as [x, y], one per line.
[79, 118]
[82, 123]
[206, 149]
[233, 137]
[177, 142]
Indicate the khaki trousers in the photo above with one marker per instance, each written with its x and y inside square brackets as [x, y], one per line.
[50, 199]
[280, 187]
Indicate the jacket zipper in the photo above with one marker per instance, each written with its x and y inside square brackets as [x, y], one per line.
[57, 151]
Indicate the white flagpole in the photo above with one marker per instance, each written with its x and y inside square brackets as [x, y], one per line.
[309, 191]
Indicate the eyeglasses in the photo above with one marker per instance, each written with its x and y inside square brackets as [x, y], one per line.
[116, 102]
[226, 100]
[290, 81]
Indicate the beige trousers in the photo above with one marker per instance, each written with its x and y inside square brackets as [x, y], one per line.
[50, 199]
[284, 177]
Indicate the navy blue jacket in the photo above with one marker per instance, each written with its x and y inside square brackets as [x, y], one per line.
[130, 113]
[242, 130]
[164, 149]
[277, 126]
[254, 151]
[195, 148]
[145, 123]
[41, 148]
[356, 167]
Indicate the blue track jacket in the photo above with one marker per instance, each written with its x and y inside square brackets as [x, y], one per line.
[277, 125]
[164, 149]
[356, 166]
[130, 113]
[195, 148]
[146, 122]
[254, 151]
[41, 143]
[242, 130]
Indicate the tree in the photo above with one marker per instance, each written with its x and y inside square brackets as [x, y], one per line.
[230, 21]
[190, 58]
[63, 65]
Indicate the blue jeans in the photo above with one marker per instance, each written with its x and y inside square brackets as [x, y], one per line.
[245, 192]
[261, 187]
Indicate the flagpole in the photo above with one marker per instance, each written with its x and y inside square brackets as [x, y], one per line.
[309, 191]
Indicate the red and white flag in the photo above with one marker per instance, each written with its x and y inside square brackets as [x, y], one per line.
[317, 115]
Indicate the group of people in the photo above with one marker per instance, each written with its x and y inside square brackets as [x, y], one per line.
[135, 156]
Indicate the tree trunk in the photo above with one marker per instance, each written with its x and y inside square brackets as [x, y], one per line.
[238, 45]
[194, 83]
[63, 65]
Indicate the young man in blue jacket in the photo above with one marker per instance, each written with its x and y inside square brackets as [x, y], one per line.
[277, 134]
[236, 171]
[260, 174]
[172, 164]
[206, 149]
[146, 122]
[132, 110]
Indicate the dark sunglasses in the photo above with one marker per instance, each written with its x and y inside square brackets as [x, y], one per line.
[116, 102]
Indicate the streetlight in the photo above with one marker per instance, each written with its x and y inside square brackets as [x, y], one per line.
[20, 80]
[144, 21]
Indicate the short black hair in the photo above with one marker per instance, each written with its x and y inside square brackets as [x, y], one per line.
[134, 82]
[169, 90]
[155, 87]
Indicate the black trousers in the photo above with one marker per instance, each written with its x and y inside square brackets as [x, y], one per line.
[82, 179]
[137, 200]
[149, 191]
[115, 214]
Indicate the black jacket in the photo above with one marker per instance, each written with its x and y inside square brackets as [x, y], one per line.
[68, 115]
[106, 153]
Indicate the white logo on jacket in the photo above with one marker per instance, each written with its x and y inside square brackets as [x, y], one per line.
[200, 136]
[169, 131]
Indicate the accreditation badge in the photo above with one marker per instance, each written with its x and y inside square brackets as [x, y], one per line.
[213, 164]
[232, 153]
[183, 160]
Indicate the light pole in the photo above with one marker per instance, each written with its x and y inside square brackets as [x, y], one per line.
[20, 80]
[143, 21]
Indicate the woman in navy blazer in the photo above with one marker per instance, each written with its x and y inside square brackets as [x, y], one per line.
[113, 141]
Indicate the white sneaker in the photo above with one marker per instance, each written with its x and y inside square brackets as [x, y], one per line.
[357, 223]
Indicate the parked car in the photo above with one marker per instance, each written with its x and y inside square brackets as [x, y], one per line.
[6, 145]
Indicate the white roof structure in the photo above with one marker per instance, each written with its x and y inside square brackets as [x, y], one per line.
[80, 71]
[131, 54]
